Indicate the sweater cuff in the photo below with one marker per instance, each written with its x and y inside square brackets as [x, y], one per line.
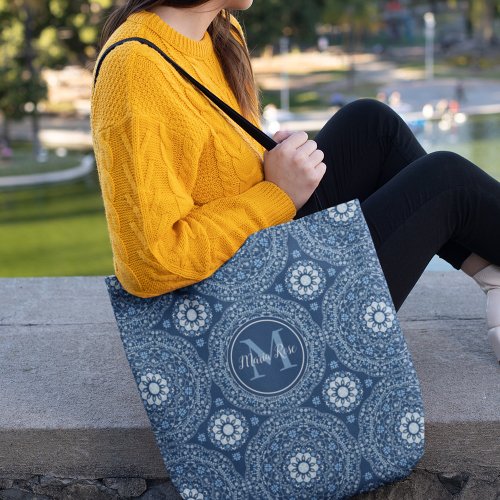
[274, 203]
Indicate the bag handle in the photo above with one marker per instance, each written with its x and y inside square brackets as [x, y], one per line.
[261, 137]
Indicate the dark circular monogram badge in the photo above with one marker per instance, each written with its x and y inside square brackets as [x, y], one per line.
[267, 357]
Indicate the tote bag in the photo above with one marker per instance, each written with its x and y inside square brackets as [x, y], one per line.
[284, 375]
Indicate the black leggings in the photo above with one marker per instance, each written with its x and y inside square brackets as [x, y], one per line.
[416, 205]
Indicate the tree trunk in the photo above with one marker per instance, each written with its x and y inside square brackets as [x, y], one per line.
[487, 22]
[469, 20]
[480, 14]
[34, 77]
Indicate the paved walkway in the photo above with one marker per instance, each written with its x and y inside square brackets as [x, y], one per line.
[84, 168]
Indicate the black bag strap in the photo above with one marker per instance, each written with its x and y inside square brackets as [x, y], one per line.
[261, 137]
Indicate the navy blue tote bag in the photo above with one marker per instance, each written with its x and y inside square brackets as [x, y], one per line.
[284, 375]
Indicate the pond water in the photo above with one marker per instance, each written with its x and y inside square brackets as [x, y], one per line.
[478, 139]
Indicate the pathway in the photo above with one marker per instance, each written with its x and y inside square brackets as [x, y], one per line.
[84, 168]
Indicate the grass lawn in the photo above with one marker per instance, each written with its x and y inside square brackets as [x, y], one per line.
[57, 230]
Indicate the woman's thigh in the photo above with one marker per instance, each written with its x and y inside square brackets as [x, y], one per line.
[365, 144]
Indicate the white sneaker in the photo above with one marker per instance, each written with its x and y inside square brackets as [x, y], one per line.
[489, 281]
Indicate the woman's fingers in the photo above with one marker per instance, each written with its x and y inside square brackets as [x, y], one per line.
[282, 135]
[308, 148]
[295, 140]
[317, 157]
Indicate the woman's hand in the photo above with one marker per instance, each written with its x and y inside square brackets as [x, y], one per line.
[295, 165]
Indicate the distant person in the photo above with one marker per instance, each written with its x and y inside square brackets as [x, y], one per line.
[323, 44]
[382, 97]
[396, 103]
[183, 189]
[6, 152]
[442, 107]
[394, 99]
[460, 92]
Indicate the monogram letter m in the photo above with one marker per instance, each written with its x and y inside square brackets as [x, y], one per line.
[275, 341]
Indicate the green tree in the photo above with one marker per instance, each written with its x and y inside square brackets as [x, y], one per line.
[480, 18]
[37, 34]
[357, 17]
[266, 22]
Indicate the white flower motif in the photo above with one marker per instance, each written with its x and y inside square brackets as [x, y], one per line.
[412, 428]
[153, 388]
[343, 391]
[191, 494]
[305, 280]
[303, 467]
[343, 212]
[192, 316]
[227, 429]
[379, 317]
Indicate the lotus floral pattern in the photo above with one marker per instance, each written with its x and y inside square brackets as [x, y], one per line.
[305, 280]
[153, 388]
[228, 429]
[379, 317]
[343, 212]
[303, 467]
[192, 316]
[412, 428]
[192, 494]
[343, 392]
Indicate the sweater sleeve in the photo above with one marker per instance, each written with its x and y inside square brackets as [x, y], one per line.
[161, 239]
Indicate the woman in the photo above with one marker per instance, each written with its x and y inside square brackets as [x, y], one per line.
[184, 187]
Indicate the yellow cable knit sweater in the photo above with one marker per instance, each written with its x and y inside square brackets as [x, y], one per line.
[182, 185]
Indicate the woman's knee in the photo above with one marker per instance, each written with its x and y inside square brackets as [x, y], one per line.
[368, 107]
[448, 168]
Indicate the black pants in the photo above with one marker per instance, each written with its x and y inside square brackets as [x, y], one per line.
[416, 205]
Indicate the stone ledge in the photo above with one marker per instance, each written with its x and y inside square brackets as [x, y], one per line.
[71, 408]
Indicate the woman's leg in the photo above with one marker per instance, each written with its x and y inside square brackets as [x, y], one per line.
[366, 144]
[439, 198]
[368, 148]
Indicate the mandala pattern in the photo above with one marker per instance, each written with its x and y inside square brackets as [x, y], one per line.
[205, 473]
[228, 429]
[252, 270]
[303, 454]
[342, 392]
[361, 327]
[305, 280]
[192, 315]
[173, 383]
[343, 212]
[285, 375]
[322, 237]
[234, 319]
[393, 442]
[131, 313]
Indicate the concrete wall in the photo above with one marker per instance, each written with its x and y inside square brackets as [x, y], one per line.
[72, 424]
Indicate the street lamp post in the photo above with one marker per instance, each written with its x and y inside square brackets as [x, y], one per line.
[430, 33]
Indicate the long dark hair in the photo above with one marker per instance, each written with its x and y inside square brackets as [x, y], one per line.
[229, 46]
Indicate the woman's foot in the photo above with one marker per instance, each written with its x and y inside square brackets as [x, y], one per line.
[488, 279]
